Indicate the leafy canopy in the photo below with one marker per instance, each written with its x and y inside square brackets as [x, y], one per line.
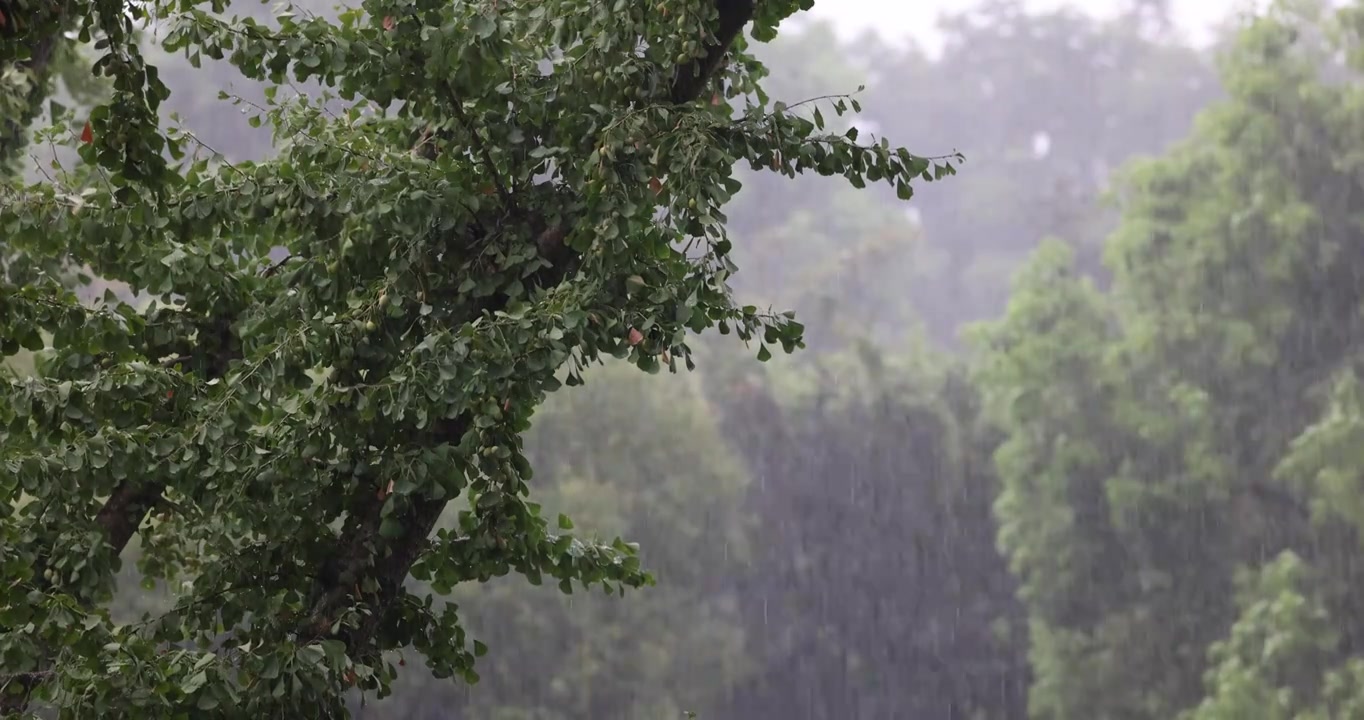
[1196, 427]
[490, 196]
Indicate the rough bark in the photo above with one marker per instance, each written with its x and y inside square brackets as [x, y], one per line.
[691, 79]
[125, 510]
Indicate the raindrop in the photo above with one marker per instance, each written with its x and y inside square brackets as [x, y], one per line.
[1041, 144]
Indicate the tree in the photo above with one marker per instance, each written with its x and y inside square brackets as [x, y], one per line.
[1183, 431]
[514, 191]
[875, 589]
[1045, 386]
[1047, 104]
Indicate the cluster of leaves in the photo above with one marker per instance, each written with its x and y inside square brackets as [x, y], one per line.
[513, 191]
[1277, 658]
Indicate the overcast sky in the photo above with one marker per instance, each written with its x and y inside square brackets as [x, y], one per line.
[896, 19]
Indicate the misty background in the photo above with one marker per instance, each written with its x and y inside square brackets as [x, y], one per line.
[1077, 434]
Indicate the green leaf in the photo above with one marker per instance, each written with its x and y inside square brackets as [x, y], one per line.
[391, 527]
[192, 683]
[482, 26]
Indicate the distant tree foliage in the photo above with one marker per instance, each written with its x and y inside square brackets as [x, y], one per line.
[1185, 434]
[877, 590]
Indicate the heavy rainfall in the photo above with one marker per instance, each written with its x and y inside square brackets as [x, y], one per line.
[717, 359]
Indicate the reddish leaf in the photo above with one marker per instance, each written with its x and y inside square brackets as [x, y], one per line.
[388, 22]
[170, 394]
[87, 133]
[636, 337]
[3, 19]
[656, 185]
[715, 99]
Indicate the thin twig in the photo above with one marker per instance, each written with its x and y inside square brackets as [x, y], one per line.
[173, 360]
[274, 268]
[807, 101]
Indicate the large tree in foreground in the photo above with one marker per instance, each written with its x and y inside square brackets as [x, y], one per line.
[513, 190]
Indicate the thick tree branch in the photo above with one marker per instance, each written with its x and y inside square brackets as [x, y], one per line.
[690, 79]
[125, 510]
